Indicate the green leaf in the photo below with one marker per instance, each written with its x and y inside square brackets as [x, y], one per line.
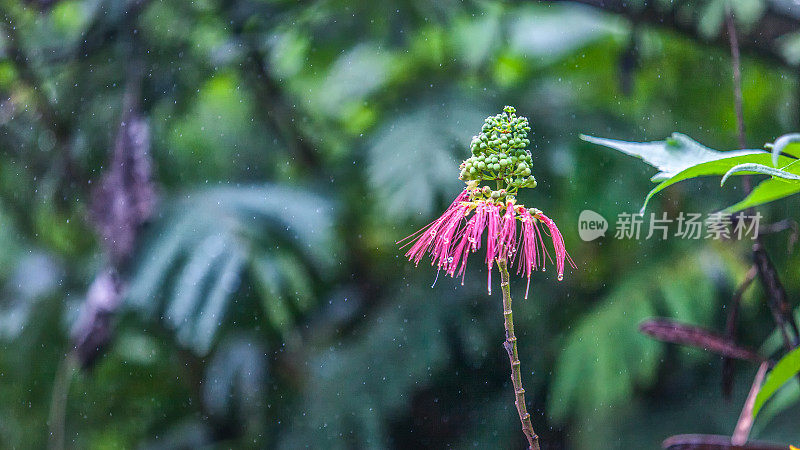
[788, 144]
[209, 318]
[670, 156]
[784, 370]
[681, 158]
[415, 157]
[189, 270]
[716, 167]
[766, 191]
[751, 168]
[784, 399]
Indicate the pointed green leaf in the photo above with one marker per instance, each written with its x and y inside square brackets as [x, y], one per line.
[784, 399]
[270, 284]
[188, 290]
[784, 370]
[210, 317]
[766, 191]
[788, 144]
[751, 168]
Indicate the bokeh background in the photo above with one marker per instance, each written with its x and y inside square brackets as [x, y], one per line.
[262, 302]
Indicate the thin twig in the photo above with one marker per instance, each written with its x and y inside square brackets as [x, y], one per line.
[281, 115]
[730, 329]
[745, 423]
[737, 78]
[511, 347]
[776, 296]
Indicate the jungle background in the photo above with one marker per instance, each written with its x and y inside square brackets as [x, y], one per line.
[200, 204]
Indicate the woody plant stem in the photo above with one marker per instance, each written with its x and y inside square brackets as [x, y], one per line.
[511, 347]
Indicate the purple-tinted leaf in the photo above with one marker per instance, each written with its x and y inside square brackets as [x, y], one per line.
[125, 197]
[679, 333]
[92, 330]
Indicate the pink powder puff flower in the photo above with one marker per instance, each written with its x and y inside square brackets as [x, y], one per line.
[453, 236]
[499, 157]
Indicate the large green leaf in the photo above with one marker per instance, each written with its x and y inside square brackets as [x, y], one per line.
[680, 158]
[717, 167]
[784, 370]
[670, 156]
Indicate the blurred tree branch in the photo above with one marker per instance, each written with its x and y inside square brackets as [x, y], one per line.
[762, 39]
[277, 110]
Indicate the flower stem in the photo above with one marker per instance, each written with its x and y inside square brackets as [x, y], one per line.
[511, 347]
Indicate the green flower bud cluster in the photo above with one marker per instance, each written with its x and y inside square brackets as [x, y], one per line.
[499, 151]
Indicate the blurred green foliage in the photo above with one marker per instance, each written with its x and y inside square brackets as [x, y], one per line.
[294, 144]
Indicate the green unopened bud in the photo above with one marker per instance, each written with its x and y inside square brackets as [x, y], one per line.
[499, 153]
